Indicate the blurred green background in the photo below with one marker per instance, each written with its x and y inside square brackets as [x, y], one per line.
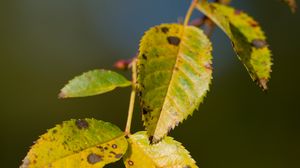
[45, 43]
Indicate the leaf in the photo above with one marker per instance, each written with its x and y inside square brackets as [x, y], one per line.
[174, 73]
[168, 153]
[84, 143]
[93, 83]
[292, 4]
[247, 37]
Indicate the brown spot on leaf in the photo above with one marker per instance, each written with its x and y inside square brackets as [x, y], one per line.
[258, 43]
[151, 139]
[146, 110]
[253, 23]
[101, 148]
[115, 146]
[82, 124]
[94, 158]
[144, 56]
[165, 30]
[112, 152]
[130, 163]
[173, 40]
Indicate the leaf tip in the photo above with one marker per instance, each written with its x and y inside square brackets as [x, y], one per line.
[25, 163]
[62, 95]
[263, 84]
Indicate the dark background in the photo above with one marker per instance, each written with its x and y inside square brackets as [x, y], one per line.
[45, 43]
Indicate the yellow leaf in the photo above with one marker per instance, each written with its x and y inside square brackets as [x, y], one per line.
[174, 73]
[84, 143]
[168, 153]
[248, 39]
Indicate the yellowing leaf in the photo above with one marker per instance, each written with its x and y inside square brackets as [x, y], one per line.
[292, 4]
[168, 153]
[247, 37]
[93, 83]
[86, 143]
[174, 73]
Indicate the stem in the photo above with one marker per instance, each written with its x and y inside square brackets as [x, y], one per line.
[132, 98]
[189, 12]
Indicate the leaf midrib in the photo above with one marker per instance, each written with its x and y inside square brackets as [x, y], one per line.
[168, 89]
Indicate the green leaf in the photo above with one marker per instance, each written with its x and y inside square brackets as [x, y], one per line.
[168, 153]
[247, 37]
[93, 83]
[76, 144]
[174, 73]
[292, 4]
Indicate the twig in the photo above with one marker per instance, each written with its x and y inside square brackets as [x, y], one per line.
[132, 97]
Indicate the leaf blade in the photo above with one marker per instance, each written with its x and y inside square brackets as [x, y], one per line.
[168, 153]
[174, 66]
[77, 143]
[93, 83]
[249, 41]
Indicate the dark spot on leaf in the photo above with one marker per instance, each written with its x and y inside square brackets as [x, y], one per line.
[115, 146]
[257, 43]
[94, 158]
[101, 148]
[82, 124]
[144, 56]
[253, 23]
[165, 30]
[54, 131]
[173, 40]
[105, 148]
[118, 156]
[130, 163]
[151, 139]
[112, 152]
[146, 110]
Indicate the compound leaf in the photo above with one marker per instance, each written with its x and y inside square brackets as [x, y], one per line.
[174, 73]
[93, 83]
[86, 143]
[168, 153]
[248, 39]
